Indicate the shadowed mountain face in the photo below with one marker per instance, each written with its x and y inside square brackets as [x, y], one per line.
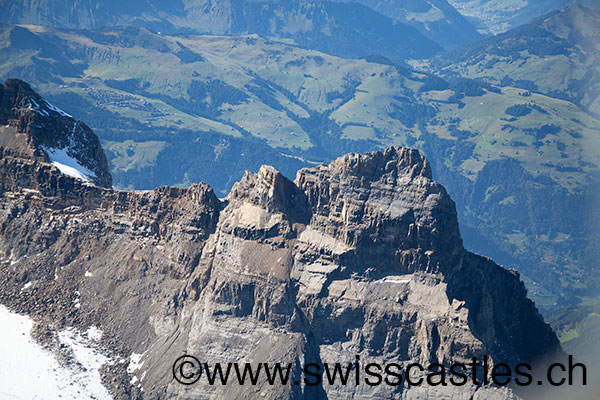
[361, 256]
[347, 30]
[436, 19]
[87, 13]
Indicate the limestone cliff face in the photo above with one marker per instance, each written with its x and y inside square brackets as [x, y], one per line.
[362, 256]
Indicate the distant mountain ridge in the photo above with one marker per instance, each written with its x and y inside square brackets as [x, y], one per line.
[436, 19]
[499, 16]
[348, 30]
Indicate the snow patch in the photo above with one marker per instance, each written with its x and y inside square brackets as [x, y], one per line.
[68, 165]
[135, 362]
[397, 279]
[56, 109]
[34, 106]
[90, 359]
[76, 302]
[88, 274]
[94, 333]
[26, 286]
[28, 371]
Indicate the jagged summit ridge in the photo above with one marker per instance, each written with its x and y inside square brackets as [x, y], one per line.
[393, 162]
[389, 194]
[376, 179]
[50, 134]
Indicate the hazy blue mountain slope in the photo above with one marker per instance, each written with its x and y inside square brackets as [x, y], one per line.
[90, 13]
[348, 30]
[499, 16]
[436, 19]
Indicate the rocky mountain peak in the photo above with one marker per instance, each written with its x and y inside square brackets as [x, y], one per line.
[388, 194]
[361, 256]
[33, 127]
[272, 191]
[392, 163]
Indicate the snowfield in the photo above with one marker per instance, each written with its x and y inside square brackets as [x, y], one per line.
[68, 165]
[29, 372]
